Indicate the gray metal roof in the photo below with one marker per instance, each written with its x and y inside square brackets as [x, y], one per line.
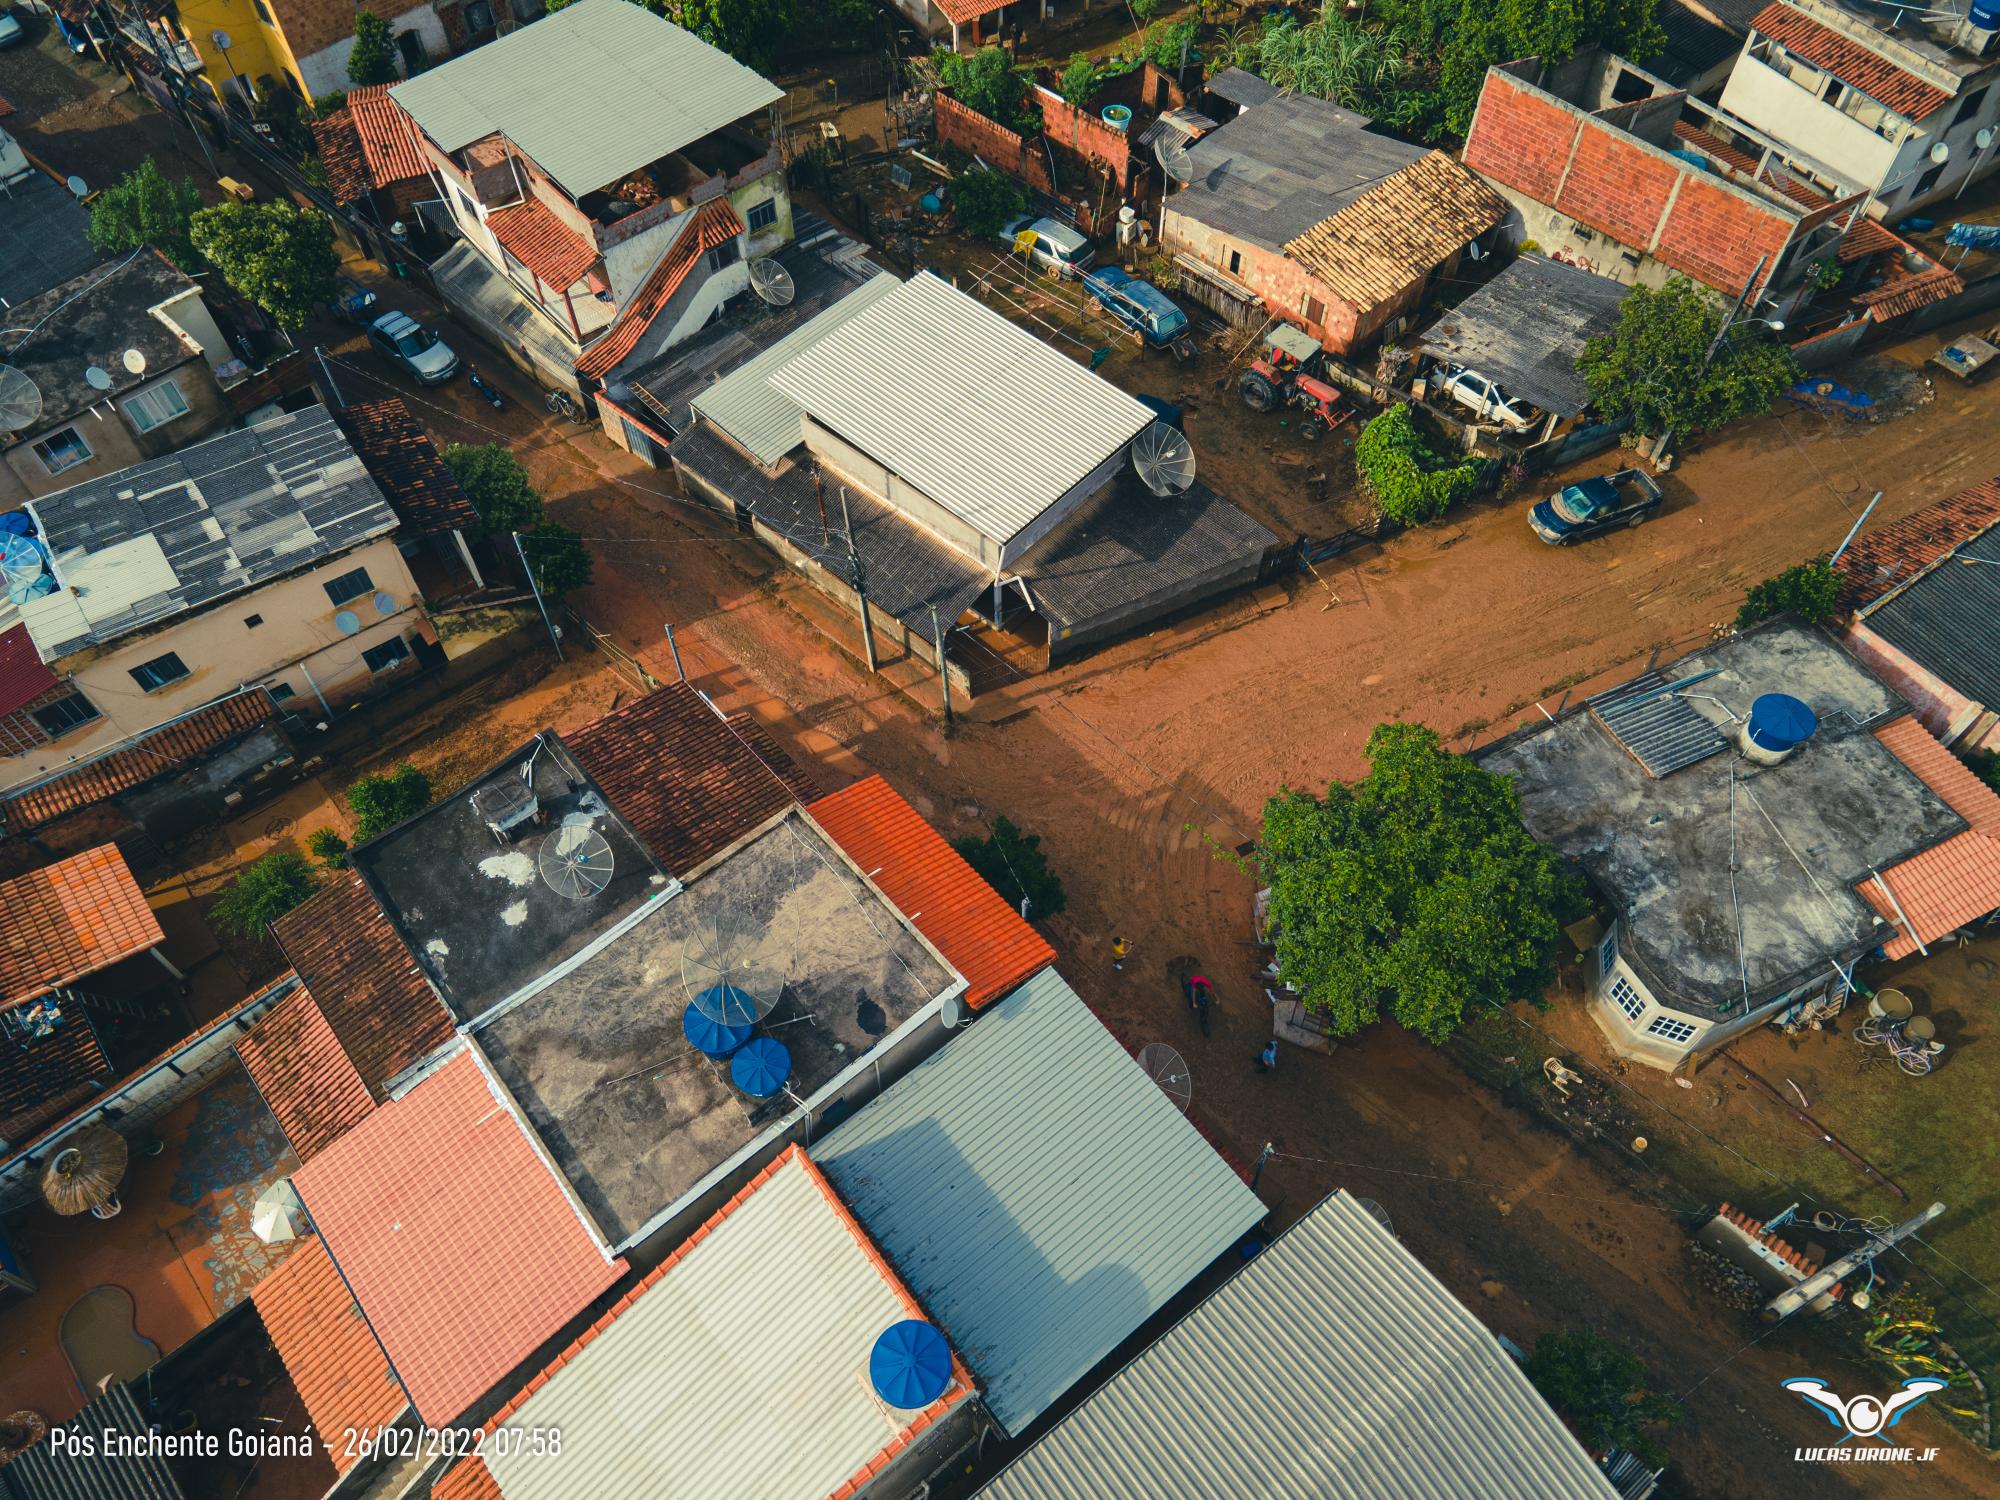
[1333, 1365]
[1037, 1192]
[975, 411]
[759, 417]
[1280, 167]
[590, 93]
[1526, 328]
[1945, 620]
[44, 1474]
[178, 533]
[44, 238]
[1240, 88]
[1655, 726]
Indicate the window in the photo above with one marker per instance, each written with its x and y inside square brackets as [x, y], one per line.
[251, 622]
[412, 47]
[388, 654]
[1628, 1000]
[348, 586]
[1315, 311]
[1969, 105]
[1926, 182]
[264, 13]
[1607, 954]
[725, 254]
[62, 450]
[478, 16]
[155, 408]
[1235, 262]
[160, 671]
[763, 215]
[63, 715]
[1667, 1028]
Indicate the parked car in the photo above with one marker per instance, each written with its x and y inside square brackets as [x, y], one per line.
[406, 343]
[10, 27]
[1596, 505]
[1058, 249]
[1483, 397]
[1137, 304]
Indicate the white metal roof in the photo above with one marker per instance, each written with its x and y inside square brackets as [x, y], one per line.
[975, 411]
[1333, 1365]
[1037, 1192]
[759, 417]
[590, 93]
[741, 1368]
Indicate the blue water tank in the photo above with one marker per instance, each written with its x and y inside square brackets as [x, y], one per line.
[910, 1365]
[1986, 17]
[711, 1037]
[1778, 722]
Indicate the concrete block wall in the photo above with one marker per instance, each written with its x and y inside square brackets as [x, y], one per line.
[1000, 148]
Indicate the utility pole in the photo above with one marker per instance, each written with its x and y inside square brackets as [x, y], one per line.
[338, 399]
[1715, 347]
[1855, 529]
[1813, 1288]
[555, 635]
[674, 646]
[944, 672]
[1257, 1173]
[859, 579]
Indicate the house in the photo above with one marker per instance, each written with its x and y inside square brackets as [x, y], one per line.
[263, 558]
[1391, 1387]
[1757, 818]
[1898, 103]
[610, 175]
[1700, 50]
[996, 483]
[126, 373]
[44, 230]
[1295, 209]
[670, 1393]
[1610, 168]
[1924, 593]
[1038, 1193]
[373, 160]
[434, 517]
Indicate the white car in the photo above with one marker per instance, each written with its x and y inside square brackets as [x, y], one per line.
[1483, 397]
[10, 27]
[1058, 249]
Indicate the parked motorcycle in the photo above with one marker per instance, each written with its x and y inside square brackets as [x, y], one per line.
[492, 394]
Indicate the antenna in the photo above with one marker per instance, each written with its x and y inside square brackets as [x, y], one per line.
[733, 968]
[77, 186]
[20, 400]
[21, 566]
[134, 361]
[1164, 460]
[97, 377]
[575, 861]
[771, 281]
[1174, 160]
[1169, 1070]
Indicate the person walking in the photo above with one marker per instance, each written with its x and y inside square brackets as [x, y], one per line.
[1267, 1060]
[1119, 948]
[1198, 997]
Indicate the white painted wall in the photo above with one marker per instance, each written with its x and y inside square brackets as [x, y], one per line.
[325, 71]
[1766, 99]
[628, 264]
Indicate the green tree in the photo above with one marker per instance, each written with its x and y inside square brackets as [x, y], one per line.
[328, 847]
[381, 802]
[1985, 765]
[497, 485]
[985, 202]
[278, 256]
[989, 83]
[1810, 588]
[1166, 39]
[264, 892]
[558, 558]
[1409, 480]
[1650, 366]
[1143, 11]
[1012, 863]
[373, 59]
[751, 31]
[1078, 79]
[146, 207]
[1600, 1389]
[1415, 891]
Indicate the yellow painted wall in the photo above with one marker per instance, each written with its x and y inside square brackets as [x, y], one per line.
[255, 48]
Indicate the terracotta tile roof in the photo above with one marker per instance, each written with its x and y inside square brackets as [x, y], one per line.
[23, 678]
[340, 153]
[162, 752]
[468, 1479]
[368, 143]
[341, 1373]
[1878, 560]
[458, 1241]
[369, 989]
[689, 783]
[963, 11]
[70, 919]
[1850, 62]
[1399, 231]
[1906, 293]
[711, 224]
[1710, 144]
[43, 1078]
[533, 235]
[1958, 881]
[407, 466]
[1867, 238]
[966, 920]
[304, 1075]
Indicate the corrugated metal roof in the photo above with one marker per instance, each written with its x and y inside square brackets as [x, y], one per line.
[590, 93]
[1331, 1365]
[739, 1367]
[42, 1473]
[1944, 620]
[756, 415]
[1037, 1192]
[975, 411]
[44, 239]
[1527, 327]
[1655, 725]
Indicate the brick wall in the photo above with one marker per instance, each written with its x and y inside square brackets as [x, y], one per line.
[1084, 132]
[1938, 705]
[1284, 286]
[996, 145]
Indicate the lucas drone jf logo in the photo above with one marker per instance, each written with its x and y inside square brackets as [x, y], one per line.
[1864, 1416]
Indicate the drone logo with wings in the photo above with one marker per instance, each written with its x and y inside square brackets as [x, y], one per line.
[1864, 1415]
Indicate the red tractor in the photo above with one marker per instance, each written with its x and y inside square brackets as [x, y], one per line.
[1286, 373]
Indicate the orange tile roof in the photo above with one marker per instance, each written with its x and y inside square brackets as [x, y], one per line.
[965, 919]
[963, 11]
[70, 919]
[458, 1240]
[1906, 293]
[368, 143]
[340, 1371]
[1850, 62]
[1867, 238]
[531, 232]
[304, 1075]
[468, 1479]
[710, 225]
[1879, 560]
[1399, 231]
[1953, 883]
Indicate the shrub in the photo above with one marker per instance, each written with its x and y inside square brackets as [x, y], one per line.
[1078, 80]
[1810, 588]
[146, 207]
[498, 486]
[264, 892]
[381, 802]
[1165, 41]
[985, 202]
[1012, 863]
[989, 82]
[1600, 1390]
[373, 59]
[558, 559]
[1410, 481]
[328, 847]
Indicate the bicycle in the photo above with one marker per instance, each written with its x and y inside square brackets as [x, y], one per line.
[563, 404]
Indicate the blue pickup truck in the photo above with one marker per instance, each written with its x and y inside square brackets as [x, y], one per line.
[1137, 304]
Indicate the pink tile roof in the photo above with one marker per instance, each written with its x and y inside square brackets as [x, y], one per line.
[339, 1370]
[1952, 883]
[460, 1244]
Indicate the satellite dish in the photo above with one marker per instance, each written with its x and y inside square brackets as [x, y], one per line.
[77, 186]
[21, 564]
[347, 622]
[1940, 153]
[1376, 1212]
[221, 39]
[1174, 160]
[98, 377]
[576, 861]
[20, 400]
[1984, 138]
[951, 1015]
[1169, 1070]
[135, 361]
[384, 605]
[771, 281]
[1164, 459]
[733, 967]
